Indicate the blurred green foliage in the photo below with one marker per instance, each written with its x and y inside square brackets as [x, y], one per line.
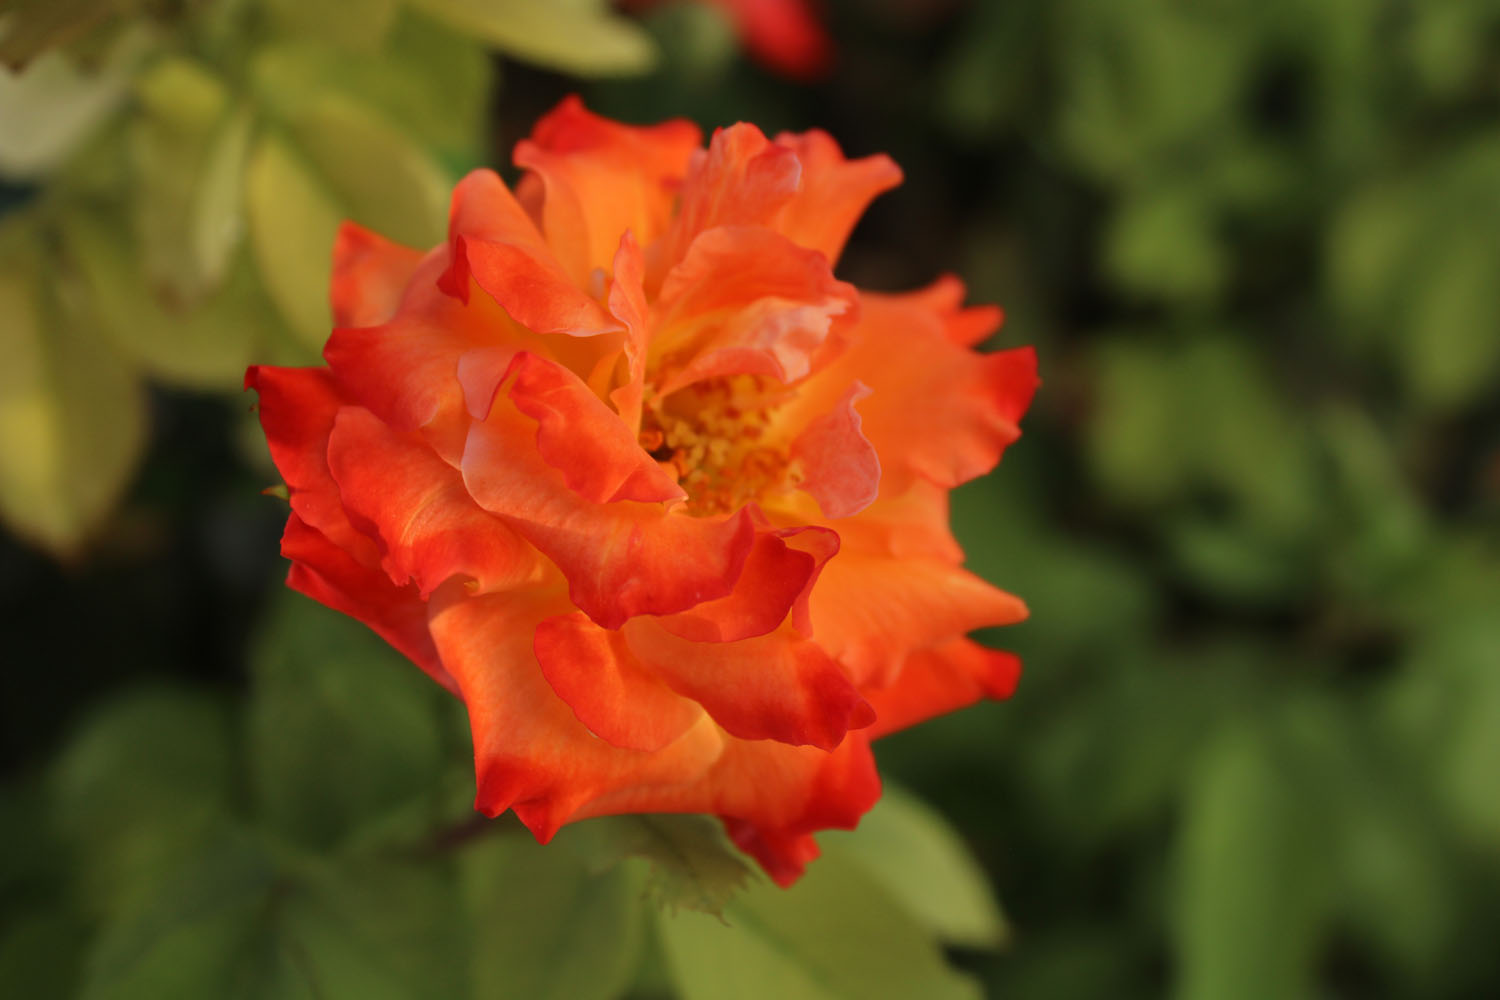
[1256, 515]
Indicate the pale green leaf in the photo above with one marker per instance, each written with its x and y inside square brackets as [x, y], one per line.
[293, 221]
[51, 107]
[207, 344]
[584, 37]
[72, 413]
[910, 850]
[359, 24]
[693, 865]
[547, 925]
[835, 935]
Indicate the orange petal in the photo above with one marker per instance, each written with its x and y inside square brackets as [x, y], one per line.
[581, 437]
[329, 575]
[602, 178]
[840, 468]
[771, 687]
[429, 526]
[835, 191]
[745, 300]
[494, 242]
[966, 326]
[370, 274]
[621, 559]
[618, 699]
[627, 303]
[530, 751]
[941, 679]
[869, 612]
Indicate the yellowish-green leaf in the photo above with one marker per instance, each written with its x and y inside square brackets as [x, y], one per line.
[359, 24]
[693, 865]
[72, 413]
[32, 27]
[293, 220]
[835, 935]
[205, 345]
[910, 850]
[584, 37]
[51, 107]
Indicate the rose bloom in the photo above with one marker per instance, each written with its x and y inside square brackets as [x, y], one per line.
[626, 468]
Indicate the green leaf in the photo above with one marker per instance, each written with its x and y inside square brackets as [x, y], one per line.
[189, 147]
[49, 110]
[547, 925]
[206, 345]
[1251, 889]
[913, 853]
[342, 729]
[836, 934]
[1163, 245]
[40, 953]
[693, 865]
[293, 221]
[32, 27]
[359, 24]
[72, 414]
[143, 778]
[582, 37]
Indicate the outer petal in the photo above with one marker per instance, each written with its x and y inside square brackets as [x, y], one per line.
[618, 699]
[966, 326]
[938, 411]
[370, 274]
[840, 468]
[941, 679]
[835, 191]
[621, 559]
[581, 437]
[330, 576]
[429, 526]
[494, 242]
[297, 408]
[778, 686]
[530, 752]
[603, 178]
[745, 300]
[869, 612]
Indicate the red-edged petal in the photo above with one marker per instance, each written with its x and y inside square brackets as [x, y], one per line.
[937, 411]
[429, 526]
[772, 687]
[530, 751]
[778, 575]
[941, 679]
[835, 191]
[495, 243]
[580, 436]
[745, 300]
[618, 699]
[370, 274]
[621, 559]
[602, 178]
[782, 34]
[966, 325]
[297, 408]
[329, 575]
[869, 611]
[840, 468]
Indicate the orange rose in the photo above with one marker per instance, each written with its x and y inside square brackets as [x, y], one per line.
[626, 468]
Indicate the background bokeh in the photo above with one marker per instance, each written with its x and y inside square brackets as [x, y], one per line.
[1255, 513]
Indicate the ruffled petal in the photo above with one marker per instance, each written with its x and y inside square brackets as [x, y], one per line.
[429, 526]
[297, 407]
[494, 242]
[618, 699]
[581, 437]
[745, 300]
[834, 194]
[965, 325]
[627, 303]
[773, 687]
[602, 178]
[942, 679]
[869, 612]
[329, 575]
[937, 411]
[620, 559]
[370, 274]
[530, 751]
[840, 468]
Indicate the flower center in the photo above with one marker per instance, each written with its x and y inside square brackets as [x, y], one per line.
[715, 436]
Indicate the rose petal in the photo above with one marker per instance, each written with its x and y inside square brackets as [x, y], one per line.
[935, 681]
[834, 193]
[370, 274]
[618, 699]
[840, 468]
